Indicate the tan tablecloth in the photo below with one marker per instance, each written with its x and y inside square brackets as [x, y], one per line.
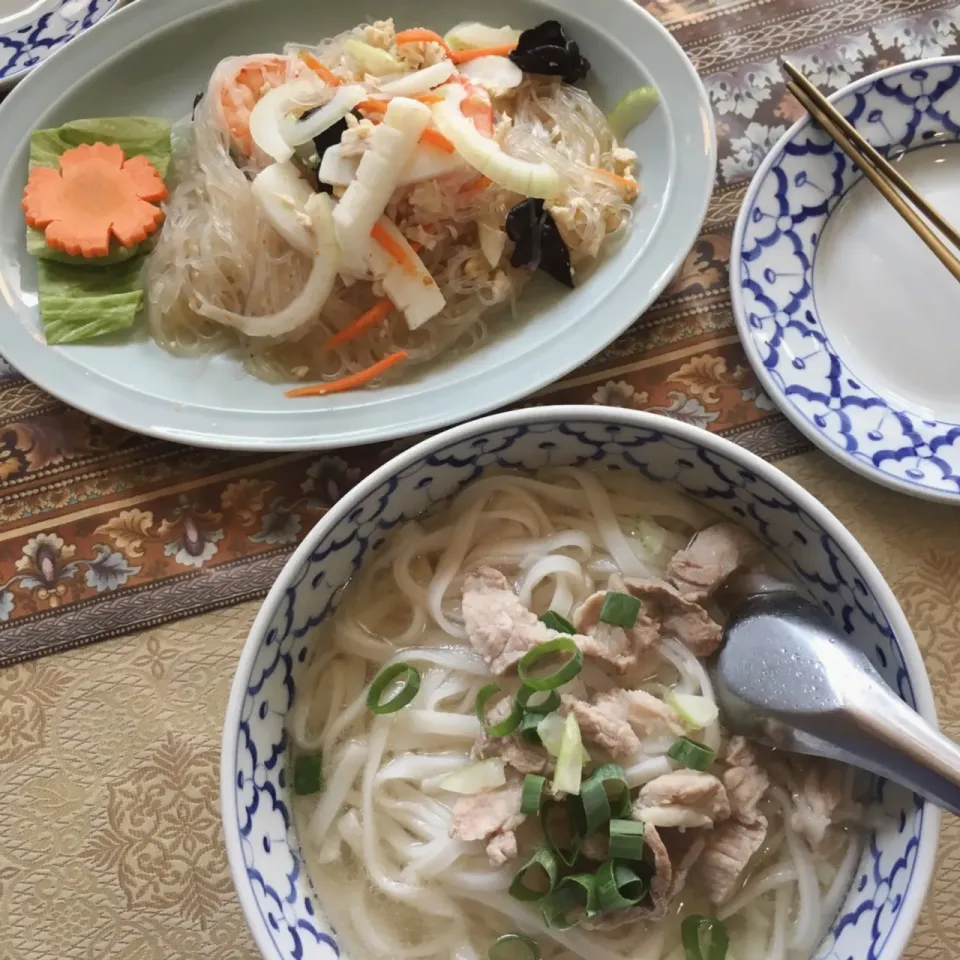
[110, 841]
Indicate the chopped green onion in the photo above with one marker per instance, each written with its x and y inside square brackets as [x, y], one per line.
[382, 681]
[691, 754]
[619, 609]
[555, 622]
[704, 938]
[533, 788]
[563, 674]
[475, 777]
[619, 886]
[308, 775]
[615, 786]
[554, 816]
[573, 898]
[529, 727]
[569, 772]
[543, 869]
[695, 711]
[514, 946]
[502, 727]
[626, 839]
[591, 810]
[550, 702]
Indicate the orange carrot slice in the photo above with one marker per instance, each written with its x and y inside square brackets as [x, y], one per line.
[373, 106]
[436, 139]
[422, 35]
[481, 183]
[320, 69]
[616, 178]
[95, 194]
[393, 248]
[465, 56]
[380, 311]
[428, 98]
[352, 380]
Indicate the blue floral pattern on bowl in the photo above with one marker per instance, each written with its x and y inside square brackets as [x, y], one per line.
[804, 178]
[274, 890]
[27, 40]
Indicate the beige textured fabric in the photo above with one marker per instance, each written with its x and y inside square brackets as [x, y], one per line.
[110, 841]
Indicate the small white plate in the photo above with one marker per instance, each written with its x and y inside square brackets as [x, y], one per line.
[151, 58]
[32, 30]
[849, 320]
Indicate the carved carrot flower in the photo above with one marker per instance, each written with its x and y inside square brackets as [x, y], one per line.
[96, 193]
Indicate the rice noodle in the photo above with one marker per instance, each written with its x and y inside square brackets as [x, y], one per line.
[389, 875]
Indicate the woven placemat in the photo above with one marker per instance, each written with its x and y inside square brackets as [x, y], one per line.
[102, 532]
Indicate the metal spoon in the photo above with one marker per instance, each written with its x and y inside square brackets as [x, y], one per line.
[785, 676]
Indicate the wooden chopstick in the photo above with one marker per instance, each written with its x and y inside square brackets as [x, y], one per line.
[877, 170]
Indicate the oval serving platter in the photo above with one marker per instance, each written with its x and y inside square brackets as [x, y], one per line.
[150, 59]
[848, 319]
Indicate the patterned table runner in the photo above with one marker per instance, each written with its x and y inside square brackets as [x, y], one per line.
[103, 532]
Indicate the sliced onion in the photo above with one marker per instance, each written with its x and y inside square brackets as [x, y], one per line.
[475, 777]
[492, 242]
[270, 116]
[392, 144]
[373, 60]
[296, 132]
[421, 81]
[283, 196]
[427, 163]
[478, 36]
[412, 291]
[485, 155]
[695, 711]
[312, 297]
[496, 75]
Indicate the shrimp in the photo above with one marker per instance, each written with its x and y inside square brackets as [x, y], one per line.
[243, 87]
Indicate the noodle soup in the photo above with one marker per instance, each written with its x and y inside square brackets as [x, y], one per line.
[521, 752]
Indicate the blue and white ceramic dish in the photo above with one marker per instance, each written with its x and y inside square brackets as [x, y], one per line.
[847, 318]
[32, 30]
[281, 907]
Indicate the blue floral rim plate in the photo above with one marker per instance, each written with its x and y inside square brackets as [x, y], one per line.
[856, 374]
[39, 28]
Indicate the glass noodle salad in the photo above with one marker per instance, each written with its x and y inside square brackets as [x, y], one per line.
[339, 209]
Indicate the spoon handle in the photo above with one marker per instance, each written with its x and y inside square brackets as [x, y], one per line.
[909, 749]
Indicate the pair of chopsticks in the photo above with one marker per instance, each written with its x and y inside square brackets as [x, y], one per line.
[895, 188]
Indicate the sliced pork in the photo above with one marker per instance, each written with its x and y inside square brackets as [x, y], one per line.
[678, 615]
[684, 798]
[745, 780]
[523, 756]
[493, 817]
[710, 557]
[728, 851]
[619, 721]
[498, 625]
[618, 646]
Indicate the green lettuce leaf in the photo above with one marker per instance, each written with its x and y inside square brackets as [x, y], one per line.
[86, 297]
[136, 135]
[81, 302]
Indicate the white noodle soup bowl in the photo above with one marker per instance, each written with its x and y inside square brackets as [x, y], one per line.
[287, 920]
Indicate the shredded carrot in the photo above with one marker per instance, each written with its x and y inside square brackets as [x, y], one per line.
[422, 35]
[94, 195]
[373, 106]
[481, 183]
[320, 69]
[350, 381]
[428, 98]
[393, 248]
[373, 316]
[436, 139]
[616, 178]
[465, 56]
